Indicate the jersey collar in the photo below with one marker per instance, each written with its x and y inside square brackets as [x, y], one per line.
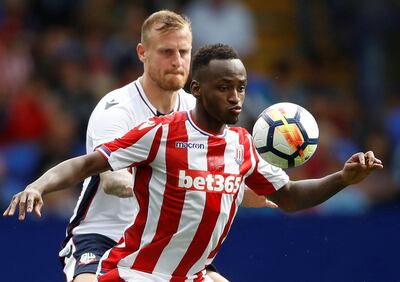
[202, 131]
[146, 101]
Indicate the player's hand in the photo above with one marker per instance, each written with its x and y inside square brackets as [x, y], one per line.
[252, 200]
[359, 166]
[27, 201]
[117, 183]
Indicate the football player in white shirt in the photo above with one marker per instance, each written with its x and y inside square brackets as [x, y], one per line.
[199, 198]
[100, 217]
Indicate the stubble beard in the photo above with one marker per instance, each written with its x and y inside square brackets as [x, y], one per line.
[168, 83]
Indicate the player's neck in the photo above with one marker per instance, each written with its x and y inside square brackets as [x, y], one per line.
[162, 100]
[207, 123]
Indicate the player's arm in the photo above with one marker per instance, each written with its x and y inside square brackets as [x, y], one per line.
[216, 277]
[117, 183]
[252, 200]
[105, 125]
[63, 175]
[303, 194]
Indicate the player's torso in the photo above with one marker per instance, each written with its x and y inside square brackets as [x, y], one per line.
[115, 114]
[193, 190]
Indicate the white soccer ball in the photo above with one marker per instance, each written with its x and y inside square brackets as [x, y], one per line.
[286, 135]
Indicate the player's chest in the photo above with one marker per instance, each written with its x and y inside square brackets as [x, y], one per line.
[216, 155]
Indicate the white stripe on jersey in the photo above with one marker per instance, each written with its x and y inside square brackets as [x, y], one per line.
[137, 152]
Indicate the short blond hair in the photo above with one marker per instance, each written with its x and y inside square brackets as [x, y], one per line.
[167, 21]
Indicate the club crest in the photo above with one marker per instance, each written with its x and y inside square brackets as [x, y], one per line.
[239, 154]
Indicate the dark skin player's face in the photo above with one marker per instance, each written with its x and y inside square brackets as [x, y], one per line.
[220, 91]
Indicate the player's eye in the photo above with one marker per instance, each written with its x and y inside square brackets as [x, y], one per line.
[223, 88]
[183, 53]
[167, 52]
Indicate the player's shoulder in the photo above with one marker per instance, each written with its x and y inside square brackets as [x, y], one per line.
[239, 130]
[241, 133]
[120, 97]
[172, 118]
[116, 107]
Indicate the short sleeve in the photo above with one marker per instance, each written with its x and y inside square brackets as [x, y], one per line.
[265, 178]
[107, 124]
[133, 148]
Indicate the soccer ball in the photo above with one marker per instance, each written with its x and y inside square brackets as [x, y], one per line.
[285, 135]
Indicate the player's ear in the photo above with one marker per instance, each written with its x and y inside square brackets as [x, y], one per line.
[140, 50]
[195, 88]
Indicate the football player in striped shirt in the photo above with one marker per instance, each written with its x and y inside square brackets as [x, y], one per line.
[192, 169]
[99, 217]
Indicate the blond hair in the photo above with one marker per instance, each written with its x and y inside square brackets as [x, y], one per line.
[163, 21]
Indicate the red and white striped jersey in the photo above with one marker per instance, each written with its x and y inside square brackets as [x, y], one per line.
[189, 184]
[116, 113]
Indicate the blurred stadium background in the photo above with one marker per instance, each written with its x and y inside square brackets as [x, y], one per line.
[339, 59]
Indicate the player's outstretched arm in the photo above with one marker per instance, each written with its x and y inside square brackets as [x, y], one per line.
[252, 200]
[63, 175]
[117, 183]
[303, 194]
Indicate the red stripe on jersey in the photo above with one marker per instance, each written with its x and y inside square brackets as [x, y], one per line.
[256, 181]
[177, 279]
[132, 235]
[215, 159]
[111, 276]
[131, 137]
[173, 199]
[199, 278]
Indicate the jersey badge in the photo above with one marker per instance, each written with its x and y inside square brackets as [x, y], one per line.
[239, 154]
[87, 258]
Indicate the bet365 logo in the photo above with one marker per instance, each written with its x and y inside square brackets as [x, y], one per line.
[207, 182]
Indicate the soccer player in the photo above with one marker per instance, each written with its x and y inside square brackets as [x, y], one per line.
[99, 217]
[191, 171]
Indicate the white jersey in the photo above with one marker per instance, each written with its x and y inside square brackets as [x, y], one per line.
[189, 186]
[115, 114]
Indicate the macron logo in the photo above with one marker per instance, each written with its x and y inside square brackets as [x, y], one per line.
[189, 145]
[207, 182]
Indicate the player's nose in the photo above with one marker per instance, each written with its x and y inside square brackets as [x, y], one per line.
[177, 60]
[234, 97]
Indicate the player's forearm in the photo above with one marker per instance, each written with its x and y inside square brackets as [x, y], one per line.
[115, 181]
[116, 178]
[303, 194]
[60, 177]
[69, 173]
